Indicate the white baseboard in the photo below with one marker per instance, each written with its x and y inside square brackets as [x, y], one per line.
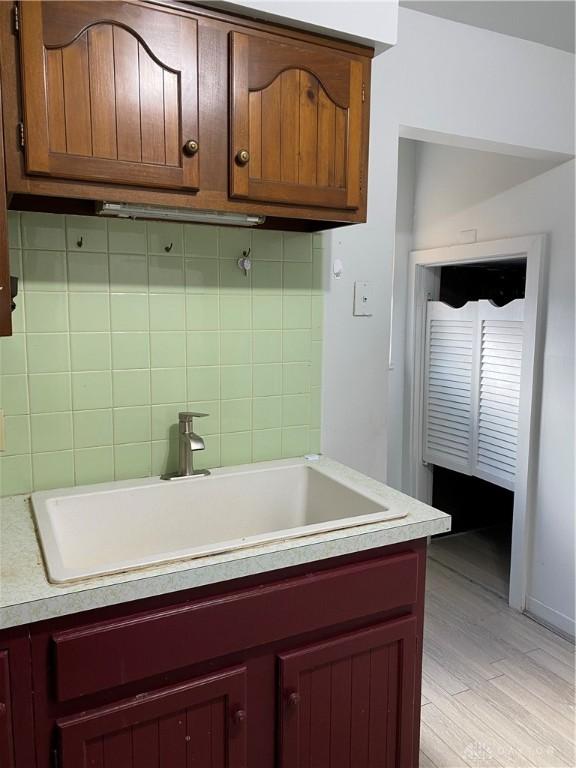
[554, 620]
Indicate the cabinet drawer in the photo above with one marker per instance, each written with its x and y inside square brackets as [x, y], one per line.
[109, 654]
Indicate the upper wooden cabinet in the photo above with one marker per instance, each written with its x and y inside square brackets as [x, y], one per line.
[171, 104]
[296, 123]
[110, 92]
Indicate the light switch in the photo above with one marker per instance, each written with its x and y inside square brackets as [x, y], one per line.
[362, 299]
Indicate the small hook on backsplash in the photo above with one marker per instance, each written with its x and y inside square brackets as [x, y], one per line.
[244, 262]
[168, 248]
[80, 242]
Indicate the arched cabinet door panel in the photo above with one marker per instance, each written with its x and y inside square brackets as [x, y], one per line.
[110, 93]
[297, 123]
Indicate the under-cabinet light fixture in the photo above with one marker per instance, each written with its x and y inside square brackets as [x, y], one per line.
[128, 211]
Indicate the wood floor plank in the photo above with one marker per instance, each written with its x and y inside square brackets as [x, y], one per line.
[526, 634]
[547, 661]
[460, 741]
[484, 740]
[541, 681]
[478, 602]
[448, 632]
[436, 750]
[485, 715]
[564, 725]
[518, 733]
[471, 555]
[448, 612]
[462, 667]
[538, 729]
[441, 675]
[425, 761]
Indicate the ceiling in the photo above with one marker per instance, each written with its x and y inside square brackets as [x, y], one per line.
[550, 22]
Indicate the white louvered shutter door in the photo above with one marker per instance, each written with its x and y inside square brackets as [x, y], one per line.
[472, 388]
[501, 336]
[449, 385]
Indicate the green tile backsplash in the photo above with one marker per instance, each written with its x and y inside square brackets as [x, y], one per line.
[120, 324]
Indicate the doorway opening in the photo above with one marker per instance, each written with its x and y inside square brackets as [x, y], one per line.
[479, 544]
[424, 286]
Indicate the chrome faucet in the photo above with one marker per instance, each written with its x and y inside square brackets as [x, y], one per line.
[189, 443]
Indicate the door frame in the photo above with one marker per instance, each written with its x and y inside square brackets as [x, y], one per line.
[424, 285]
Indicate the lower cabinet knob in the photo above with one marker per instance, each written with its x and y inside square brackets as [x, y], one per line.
[293, 698]
[239, 716]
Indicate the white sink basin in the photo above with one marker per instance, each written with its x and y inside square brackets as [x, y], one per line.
[104, 529]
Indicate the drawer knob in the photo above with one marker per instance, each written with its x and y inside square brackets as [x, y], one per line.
[191, 147]
[242, 156]
[293, 698]
[239, 716]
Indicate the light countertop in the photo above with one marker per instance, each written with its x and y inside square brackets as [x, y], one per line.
[26, 596]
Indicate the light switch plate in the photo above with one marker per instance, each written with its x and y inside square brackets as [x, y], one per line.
[362, 299]
[2, 432]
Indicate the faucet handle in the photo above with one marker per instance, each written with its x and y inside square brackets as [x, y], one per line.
[187, 416]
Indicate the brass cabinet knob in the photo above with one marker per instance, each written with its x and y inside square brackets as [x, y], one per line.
[191, 147]
[242, 156]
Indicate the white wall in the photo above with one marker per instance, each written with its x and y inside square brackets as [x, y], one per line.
[370, 22]
[459, 189]
[441, 79]
[446, 78]
[406, 190]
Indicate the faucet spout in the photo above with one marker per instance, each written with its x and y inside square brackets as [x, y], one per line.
[195, 442]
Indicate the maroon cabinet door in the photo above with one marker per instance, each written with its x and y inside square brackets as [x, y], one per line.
[348, 702]
[197, 724]
[6, 741]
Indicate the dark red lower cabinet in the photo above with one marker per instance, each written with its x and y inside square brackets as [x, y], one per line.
[316, 666]
[6, 737]
[201, 723]
[17, 742]
[347, 702]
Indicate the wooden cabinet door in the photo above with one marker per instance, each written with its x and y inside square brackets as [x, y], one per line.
[6, 738]
[201, 723]
[297, 124]
[110, 93]
[349, 702]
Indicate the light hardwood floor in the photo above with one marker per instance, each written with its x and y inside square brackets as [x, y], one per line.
[483, 556]
[498, 688]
